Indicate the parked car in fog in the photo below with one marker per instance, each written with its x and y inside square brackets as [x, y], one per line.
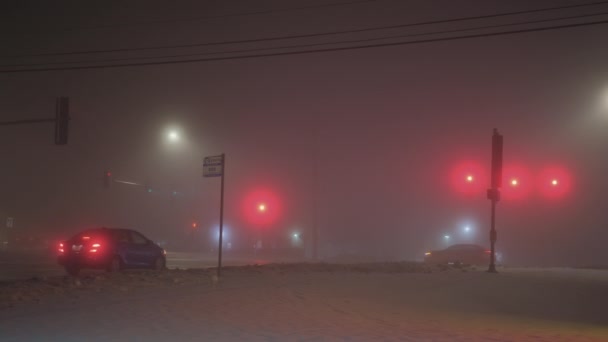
[111, 249]
[464, 254]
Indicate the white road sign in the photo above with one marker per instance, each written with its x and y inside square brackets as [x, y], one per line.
[213, 166]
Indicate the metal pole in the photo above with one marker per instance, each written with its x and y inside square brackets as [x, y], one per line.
[219, 258]
[494, 192]
[315, 197]
[492, 267]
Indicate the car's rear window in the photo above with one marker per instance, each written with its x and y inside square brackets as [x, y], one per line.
[91, 234]
[465, 247]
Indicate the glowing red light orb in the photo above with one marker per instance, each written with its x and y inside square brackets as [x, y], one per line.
[468, 178]
[517, 182]
[262, 208]
[556, 182]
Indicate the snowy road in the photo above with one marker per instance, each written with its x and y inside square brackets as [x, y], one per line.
[283, 303]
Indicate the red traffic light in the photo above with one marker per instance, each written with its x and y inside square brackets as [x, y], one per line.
[107, 179]
[517, 182]
[262, 208]
[468, 177]
[555, 182]
[194, 224]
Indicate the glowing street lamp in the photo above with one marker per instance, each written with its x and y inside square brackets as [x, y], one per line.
[467, 229]
[173, 136]
[470, 178]
[554, 182]
[262, 207]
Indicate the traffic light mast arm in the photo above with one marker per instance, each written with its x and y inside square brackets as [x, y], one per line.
[24, 122]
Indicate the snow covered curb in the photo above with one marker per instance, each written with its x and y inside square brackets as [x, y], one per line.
[37, 289]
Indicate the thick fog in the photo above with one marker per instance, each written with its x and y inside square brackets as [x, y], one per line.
[372, 146]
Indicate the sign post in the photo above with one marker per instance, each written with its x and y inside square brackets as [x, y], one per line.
[214, 167]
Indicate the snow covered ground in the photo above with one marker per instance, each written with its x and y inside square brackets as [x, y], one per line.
[316, 302]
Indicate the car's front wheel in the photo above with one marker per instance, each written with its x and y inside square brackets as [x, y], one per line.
[160, 263]
[115, 265]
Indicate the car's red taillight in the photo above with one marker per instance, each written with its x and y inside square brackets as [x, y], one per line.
[488, 251]
[61, 250]
[94, 247]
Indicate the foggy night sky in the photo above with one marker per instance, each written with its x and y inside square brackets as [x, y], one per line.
[386, 126]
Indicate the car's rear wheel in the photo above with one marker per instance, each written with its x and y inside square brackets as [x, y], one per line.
[115, 265]
[72, 270]
[160, 263]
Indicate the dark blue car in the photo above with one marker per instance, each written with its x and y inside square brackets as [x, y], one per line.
[112, 249]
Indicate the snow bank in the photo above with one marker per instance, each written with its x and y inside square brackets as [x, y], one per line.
[286, 302]
[37, 288]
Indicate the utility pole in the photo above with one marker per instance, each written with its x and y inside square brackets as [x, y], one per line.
[61, 120]
[219, 257]
[315, 197]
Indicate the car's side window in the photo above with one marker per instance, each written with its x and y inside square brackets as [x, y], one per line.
[121, 236]
[138, 239]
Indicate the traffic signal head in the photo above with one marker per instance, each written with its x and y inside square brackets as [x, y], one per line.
[468, 178]
[555, 182]
[62, 118]
[518, 182]
[496, 160]
[107, 179]
[262, 208]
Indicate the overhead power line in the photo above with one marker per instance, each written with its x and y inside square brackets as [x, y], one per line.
[257, 40]
[205, 18]
[282, 47]
[289, 53]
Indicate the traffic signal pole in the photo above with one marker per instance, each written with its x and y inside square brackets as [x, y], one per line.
[494, 194]
[492, 268]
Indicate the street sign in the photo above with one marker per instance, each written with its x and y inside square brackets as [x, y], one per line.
[10, 222]
[213, 166]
